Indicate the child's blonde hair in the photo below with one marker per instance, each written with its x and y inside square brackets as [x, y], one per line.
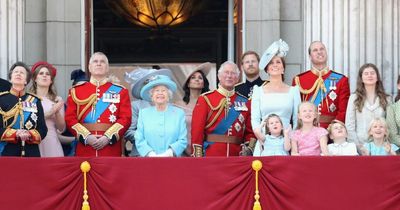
[315, 121]
[383, 122]
[267, 131]
[331, 125]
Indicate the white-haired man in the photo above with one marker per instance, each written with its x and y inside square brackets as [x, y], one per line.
[221, 124]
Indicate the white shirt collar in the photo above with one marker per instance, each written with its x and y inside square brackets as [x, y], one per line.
[341, 144]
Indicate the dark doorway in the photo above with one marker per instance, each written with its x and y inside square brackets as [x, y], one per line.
[203, 37]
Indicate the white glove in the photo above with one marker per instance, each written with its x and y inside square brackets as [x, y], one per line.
[168, 153]
[151, 154]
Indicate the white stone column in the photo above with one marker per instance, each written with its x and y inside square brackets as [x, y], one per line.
[356, 32]
[53, 29]
[11, 34]
[262, 25]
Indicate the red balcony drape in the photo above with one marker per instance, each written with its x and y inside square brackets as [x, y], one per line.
[201, 183]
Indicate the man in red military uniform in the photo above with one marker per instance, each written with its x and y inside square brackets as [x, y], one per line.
[327, 89]
[221, 119]
[98, 112]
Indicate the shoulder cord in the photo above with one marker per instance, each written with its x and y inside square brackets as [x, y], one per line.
[220, 107]
[88, 101]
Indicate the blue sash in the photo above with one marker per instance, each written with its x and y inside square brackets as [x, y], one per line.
[225, 123]
[333, 76]
[16, 124]
[101, 106]
[233, 114]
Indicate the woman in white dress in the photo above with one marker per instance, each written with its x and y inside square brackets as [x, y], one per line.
[274, 96]
[53, 106]
[368, 102]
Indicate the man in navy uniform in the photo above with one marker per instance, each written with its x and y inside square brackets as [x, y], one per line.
[250, 60]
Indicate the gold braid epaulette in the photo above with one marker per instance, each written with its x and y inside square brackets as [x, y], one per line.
[12, 113]
[318, 84]
[220, 107]
[88, 101]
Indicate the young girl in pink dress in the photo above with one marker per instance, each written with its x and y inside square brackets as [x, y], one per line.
[308, 139]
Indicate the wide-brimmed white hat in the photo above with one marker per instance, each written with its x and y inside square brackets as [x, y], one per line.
[138, 76]
[204, 67]
[278, 48]
[156, 80]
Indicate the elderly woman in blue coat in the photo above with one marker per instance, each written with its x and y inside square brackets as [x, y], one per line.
[161, 129]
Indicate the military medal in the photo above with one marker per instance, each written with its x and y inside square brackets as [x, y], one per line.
[237, 127]
[240, 106]
[29, 107]
[28, 125]
[332, 107]
[332, 95]
[34, 117]
[112, 118]
[112, 109]
[332, 84]
[111, 97]
[241, 118]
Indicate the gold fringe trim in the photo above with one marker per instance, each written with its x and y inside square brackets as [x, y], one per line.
[85, 168]
[257, 165]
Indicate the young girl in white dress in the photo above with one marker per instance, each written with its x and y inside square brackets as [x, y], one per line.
[338, 134]
[276, 140]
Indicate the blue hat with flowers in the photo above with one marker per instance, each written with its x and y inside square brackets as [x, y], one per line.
[78, 75]
[154, 81]
[278, 48]
[138, 77]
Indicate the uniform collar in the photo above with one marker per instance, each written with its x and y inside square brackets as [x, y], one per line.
[258, 81]
[225, 92]
[320, 72]
[97, 82]
[17, 93]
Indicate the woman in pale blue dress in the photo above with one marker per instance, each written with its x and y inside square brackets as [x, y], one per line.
[161, 129]
[274, 96]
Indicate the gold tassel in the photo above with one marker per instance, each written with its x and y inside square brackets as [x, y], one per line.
[85, 168]
[257, 165]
